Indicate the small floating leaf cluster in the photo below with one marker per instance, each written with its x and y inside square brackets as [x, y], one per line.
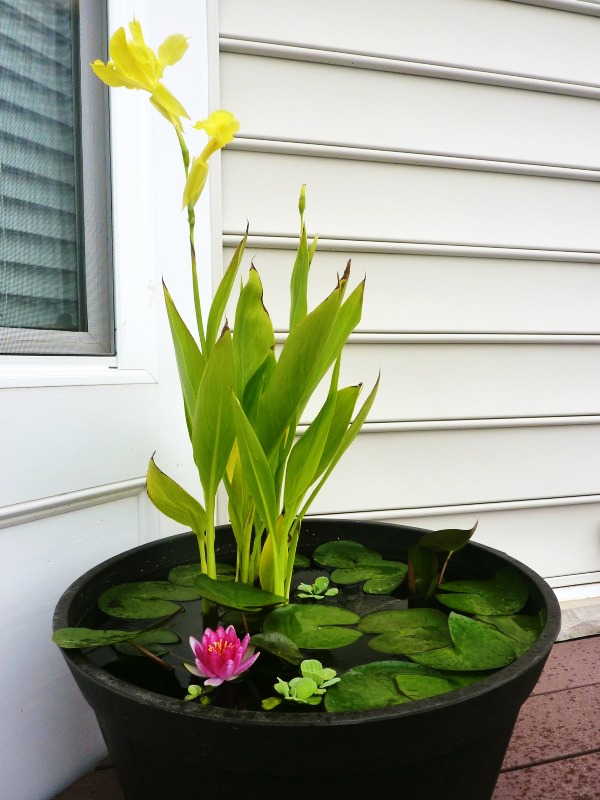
[452, 633]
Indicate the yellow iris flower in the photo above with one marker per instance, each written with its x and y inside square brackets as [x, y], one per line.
[136, 66]
[221, 126]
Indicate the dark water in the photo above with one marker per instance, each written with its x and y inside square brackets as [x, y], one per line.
[258, 682]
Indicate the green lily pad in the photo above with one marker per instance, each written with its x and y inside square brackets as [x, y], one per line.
[235, 595]
[505, 593]
[279, 645]
[390, 683]
[345, 553]
[354, 563]
[522, 630]
[301, 562]
[314, 627]
[70, 638]
[421, 687]
[369, 686]
[144, 599]
[186, 574]
[411, 630]
[477, 646]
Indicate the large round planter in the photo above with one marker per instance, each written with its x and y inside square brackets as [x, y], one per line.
[448, 747]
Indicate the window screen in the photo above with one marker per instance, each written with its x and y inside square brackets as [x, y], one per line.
[54, 212]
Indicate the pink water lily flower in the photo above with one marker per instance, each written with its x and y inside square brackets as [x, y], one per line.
[221, 656]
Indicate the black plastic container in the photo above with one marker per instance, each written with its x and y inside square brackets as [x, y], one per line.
[444, 748]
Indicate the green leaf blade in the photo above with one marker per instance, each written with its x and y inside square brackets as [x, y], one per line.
[173, 501]
[190, 361]
[217, 308]
[233, 594]
[213, 431]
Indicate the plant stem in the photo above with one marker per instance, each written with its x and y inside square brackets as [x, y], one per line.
[211, 563]
[291, 554]
[441, 578]
[152, 656]
[185, 154]
[197, 305]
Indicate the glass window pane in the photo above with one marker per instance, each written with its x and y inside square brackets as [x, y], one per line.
[45, 283]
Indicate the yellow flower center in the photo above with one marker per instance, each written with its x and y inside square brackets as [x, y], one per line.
[220, 647]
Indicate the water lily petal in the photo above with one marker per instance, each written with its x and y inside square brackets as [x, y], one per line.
[221, 656]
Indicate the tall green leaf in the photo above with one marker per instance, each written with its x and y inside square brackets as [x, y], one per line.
[297, 372]
[345, 403]
[346, 322]
[257, 471]
[253, 336]
[306, 454]
[347, 440]
[190, 361]
[173, 501]
[213, 430]
[217, 308]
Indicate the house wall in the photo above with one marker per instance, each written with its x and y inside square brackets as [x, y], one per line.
[450, 149]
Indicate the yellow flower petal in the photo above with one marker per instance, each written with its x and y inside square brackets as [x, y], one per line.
[195, 182]
[109, 75]
[172, 50]
[220, 126]
[126, 63]
[135, 28]
[174, 120]
[145, 56]
[168, 101]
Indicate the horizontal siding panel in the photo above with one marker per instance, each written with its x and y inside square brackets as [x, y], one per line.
[453, 467]
[449, 381]
[416, 293]
[103, 420]
[378, 201]
[532, 535]
[421, 114]
[481, 34]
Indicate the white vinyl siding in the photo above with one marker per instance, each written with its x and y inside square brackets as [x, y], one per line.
[450, 149]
